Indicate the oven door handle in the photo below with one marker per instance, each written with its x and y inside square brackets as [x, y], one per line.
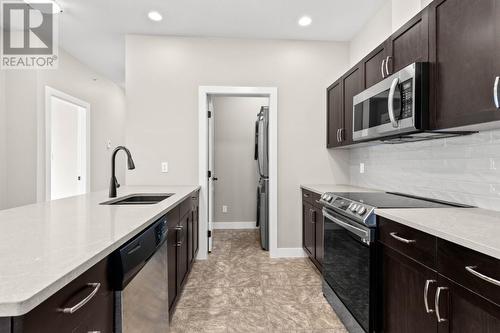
[365, 235]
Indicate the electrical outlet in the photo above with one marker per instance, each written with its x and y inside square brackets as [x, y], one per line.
[361, 168]
[164, 167]
[224, 209]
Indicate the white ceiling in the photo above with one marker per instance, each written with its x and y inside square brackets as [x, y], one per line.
[94, 30]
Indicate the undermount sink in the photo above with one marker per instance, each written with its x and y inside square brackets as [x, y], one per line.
[139, 199]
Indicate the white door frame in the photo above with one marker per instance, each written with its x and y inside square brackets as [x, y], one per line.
[272, 94]
[49, 93]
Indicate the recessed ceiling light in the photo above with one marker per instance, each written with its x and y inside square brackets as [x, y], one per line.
[155, 16]
[304, 21]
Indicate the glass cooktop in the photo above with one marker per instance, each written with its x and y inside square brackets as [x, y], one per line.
[396, 200]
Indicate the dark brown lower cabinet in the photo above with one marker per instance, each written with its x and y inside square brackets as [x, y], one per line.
[95, 316]
[183, 238]
[453, 298]
[312, 227]
[461, 310]
[404, 281]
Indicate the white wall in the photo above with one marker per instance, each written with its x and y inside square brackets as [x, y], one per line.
[235, 166]
[3, 143]
[25, 104]
[162, 79]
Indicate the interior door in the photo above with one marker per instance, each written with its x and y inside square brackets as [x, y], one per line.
[211, 168]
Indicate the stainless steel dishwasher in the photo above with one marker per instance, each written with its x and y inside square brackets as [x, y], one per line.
[141, 286]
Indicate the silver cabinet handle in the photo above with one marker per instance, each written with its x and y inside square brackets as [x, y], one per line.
[426, 293]
[342, 134]
[306, 195]
[472, 270]
[84, 301]
[495, 92]
[401, 239]
[387, 65]
[313, 216]
[179, 228]
[436, 304]
[390, 105]
[338, 135]
[382, 69]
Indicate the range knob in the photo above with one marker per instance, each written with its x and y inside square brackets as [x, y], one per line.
[361, 210]
[354, 207]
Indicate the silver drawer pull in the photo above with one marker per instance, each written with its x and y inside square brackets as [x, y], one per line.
[401, 239]
[426, 293]
[495, 92]
[387, 65]
[436, 304]
[472, 270]
[84, 301]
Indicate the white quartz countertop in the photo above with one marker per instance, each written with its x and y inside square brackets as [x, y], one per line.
[323, 188]
[475, 228]
[45, 246]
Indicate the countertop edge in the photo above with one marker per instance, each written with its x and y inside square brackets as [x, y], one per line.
[15, 309]
[486, 250]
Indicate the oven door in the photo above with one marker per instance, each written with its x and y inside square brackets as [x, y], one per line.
[387, 108]
[348, 267]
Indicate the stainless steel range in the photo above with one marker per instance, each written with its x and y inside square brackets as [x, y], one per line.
[350, 268]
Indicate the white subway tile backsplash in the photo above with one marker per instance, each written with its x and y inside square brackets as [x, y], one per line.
[464, 169]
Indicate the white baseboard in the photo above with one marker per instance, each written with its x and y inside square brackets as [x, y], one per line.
[234, 225]
[289, 252]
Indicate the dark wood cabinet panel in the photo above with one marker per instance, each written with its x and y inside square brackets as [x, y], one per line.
[413, 243]
[403, 283]
[409, 44]
[308, 229]
[335, 114]
[190, 240]
[465, 311]
[465, 61]
[172, 222]
[374, 67]
[95, 315]
[196, 225]
[182, 251]
[352, 84]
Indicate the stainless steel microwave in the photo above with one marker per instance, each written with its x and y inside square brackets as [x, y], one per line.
[394, 107]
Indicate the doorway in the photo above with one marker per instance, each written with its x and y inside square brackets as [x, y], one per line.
[67, 145]
[207, 161]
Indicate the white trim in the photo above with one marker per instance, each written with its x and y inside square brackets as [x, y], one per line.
[234, 225]
[49, 93]
[272, 93]
[289, 252]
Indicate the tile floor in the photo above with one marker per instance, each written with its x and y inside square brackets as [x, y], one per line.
[240, 289]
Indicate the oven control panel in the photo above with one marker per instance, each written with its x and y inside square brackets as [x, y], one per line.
[358, 211]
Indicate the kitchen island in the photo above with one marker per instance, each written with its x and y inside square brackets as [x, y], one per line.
[45, 246]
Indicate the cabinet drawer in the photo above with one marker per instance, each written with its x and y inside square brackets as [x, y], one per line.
[95, 315]
[311, 197]
[417, 245]
[475, 271]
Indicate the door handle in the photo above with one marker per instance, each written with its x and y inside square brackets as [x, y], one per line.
[436, 304]
[401, 239]
[495, 92]
[84, 301]
[390, 105]
[387, 65]
[472, 270]
[382, 68]
[426, 298]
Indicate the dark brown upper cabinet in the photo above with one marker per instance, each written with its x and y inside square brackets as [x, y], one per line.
[408, 44]
[465, 61]
[352, 84]
[374, 66]
[335, 114]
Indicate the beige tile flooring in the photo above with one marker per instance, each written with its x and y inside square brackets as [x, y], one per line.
[240, 289]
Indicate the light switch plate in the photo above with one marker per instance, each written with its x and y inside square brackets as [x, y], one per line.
[224, 209]
[164, 167]
[361, 168]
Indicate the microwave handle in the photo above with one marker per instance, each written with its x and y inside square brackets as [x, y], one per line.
[390, 103]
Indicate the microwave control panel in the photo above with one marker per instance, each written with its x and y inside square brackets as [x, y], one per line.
[407, 99]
